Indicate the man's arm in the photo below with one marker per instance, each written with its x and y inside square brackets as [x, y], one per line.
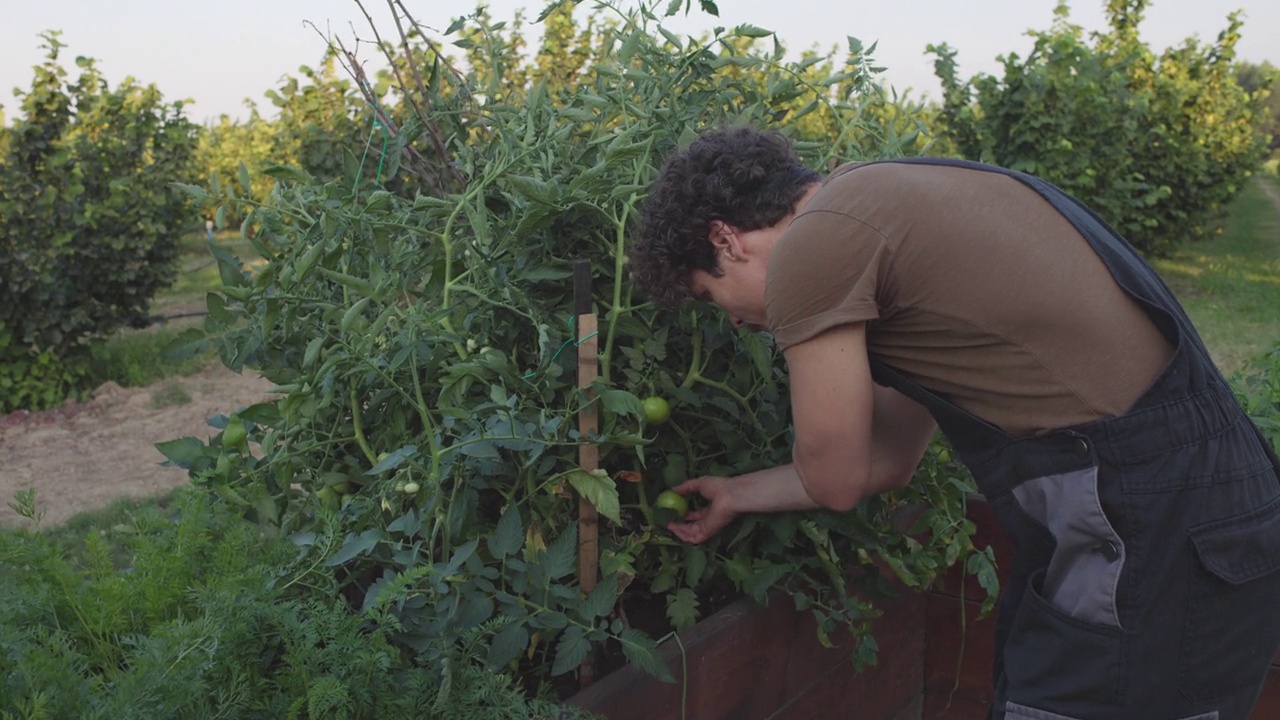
[853, 437]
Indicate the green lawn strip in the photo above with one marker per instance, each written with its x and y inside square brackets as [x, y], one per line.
[135, 358]
[1230, 284]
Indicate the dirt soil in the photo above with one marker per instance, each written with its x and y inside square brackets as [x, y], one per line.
[84, 456]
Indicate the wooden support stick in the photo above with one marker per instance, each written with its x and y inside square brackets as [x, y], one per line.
[588, 453]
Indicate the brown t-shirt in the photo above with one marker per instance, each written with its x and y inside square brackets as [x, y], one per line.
[973, 286]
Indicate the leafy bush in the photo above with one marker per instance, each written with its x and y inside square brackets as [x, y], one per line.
[209, 619]
[88, 219]
[1257, 387]
[318, 126]
[30, 379]
[425, 346]
[1158, 146]
[1262, 82]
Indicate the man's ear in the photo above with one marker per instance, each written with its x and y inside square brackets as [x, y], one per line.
[724, 238]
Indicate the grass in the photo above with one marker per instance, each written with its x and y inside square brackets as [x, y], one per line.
[1230, 284]
[198, 273]
[169, 394]
[135, 358]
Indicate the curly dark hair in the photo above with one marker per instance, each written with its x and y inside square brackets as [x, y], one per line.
[748, 178]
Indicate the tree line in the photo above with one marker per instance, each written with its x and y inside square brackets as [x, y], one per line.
[90, 216]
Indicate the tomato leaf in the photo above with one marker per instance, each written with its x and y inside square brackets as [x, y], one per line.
[570, 651]
[507, 645]
[751, 31]
[642, 651]
[393, 460]
[763, 579]
[621, 402]
[355, 545]
[562, 554]
[695, 564]
[600, 490]
[182, 452]
[682, 608]
[508, 536]
[601, 600]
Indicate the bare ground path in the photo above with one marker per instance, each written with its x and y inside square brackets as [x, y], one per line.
[84, 456]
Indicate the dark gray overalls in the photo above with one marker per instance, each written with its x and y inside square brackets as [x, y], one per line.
[1146, 584]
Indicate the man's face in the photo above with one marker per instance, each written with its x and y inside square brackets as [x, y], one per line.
[738, 290]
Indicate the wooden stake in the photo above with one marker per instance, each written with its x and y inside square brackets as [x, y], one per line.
[588, 453]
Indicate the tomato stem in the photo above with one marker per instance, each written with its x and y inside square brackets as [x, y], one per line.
[359, 431]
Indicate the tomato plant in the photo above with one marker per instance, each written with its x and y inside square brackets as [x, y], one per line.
[422, 343]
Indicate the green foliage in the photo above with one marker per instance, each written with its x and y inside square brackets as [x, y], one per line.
[198, 622]
[226, 145]
[1157, 145]
[34, 378]
[1257, 387]
[320, 123]
[426, 451]
[136, 359]
[88, 220]
[1262, 82]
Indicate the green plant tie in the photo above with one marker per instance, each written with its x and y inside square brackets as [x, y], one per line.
[567, 343]
[378, 177]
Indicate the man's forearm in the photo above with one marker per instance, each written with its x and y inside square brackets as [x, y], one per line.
[901, 432]
[776, 489]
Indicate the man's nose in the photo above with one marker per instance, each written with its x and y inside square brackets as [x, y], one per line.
[736, 322]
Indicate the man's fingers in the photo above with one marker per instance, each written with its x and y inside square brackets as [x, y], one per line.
[688, 486]
[688, 532]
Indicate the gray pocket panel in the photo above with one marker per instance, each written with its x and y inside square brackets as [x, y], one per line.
[1083, 574]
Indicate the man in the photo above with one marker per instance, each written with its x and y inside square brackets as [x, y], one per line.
[911, 295]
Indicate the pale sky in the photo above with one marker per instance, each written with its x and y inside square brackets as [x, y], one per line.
[220, 54]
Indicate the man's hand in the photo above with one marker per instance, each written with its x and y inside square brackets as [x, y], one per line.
[776, 489]
[700, 524]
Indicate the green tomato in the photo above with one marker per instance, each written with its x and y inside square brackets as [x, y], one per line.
[656, 409]
[672, 500]
[411, 488]
[234, 434]
[944, 457]
[328, 497]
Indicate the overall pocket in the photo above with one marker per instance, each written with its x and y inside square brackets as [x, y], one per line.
[1053, 660]
[1233, 620]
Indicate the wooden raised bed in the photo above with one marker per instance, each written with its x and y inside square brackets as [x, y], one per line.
[749, 663]
[746, 662]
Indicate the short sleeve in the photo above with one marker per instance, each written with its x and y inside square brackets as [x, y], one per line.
[826, 270]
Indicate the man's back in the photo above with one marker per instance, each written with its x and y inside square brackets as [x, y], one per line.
[973, 286]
